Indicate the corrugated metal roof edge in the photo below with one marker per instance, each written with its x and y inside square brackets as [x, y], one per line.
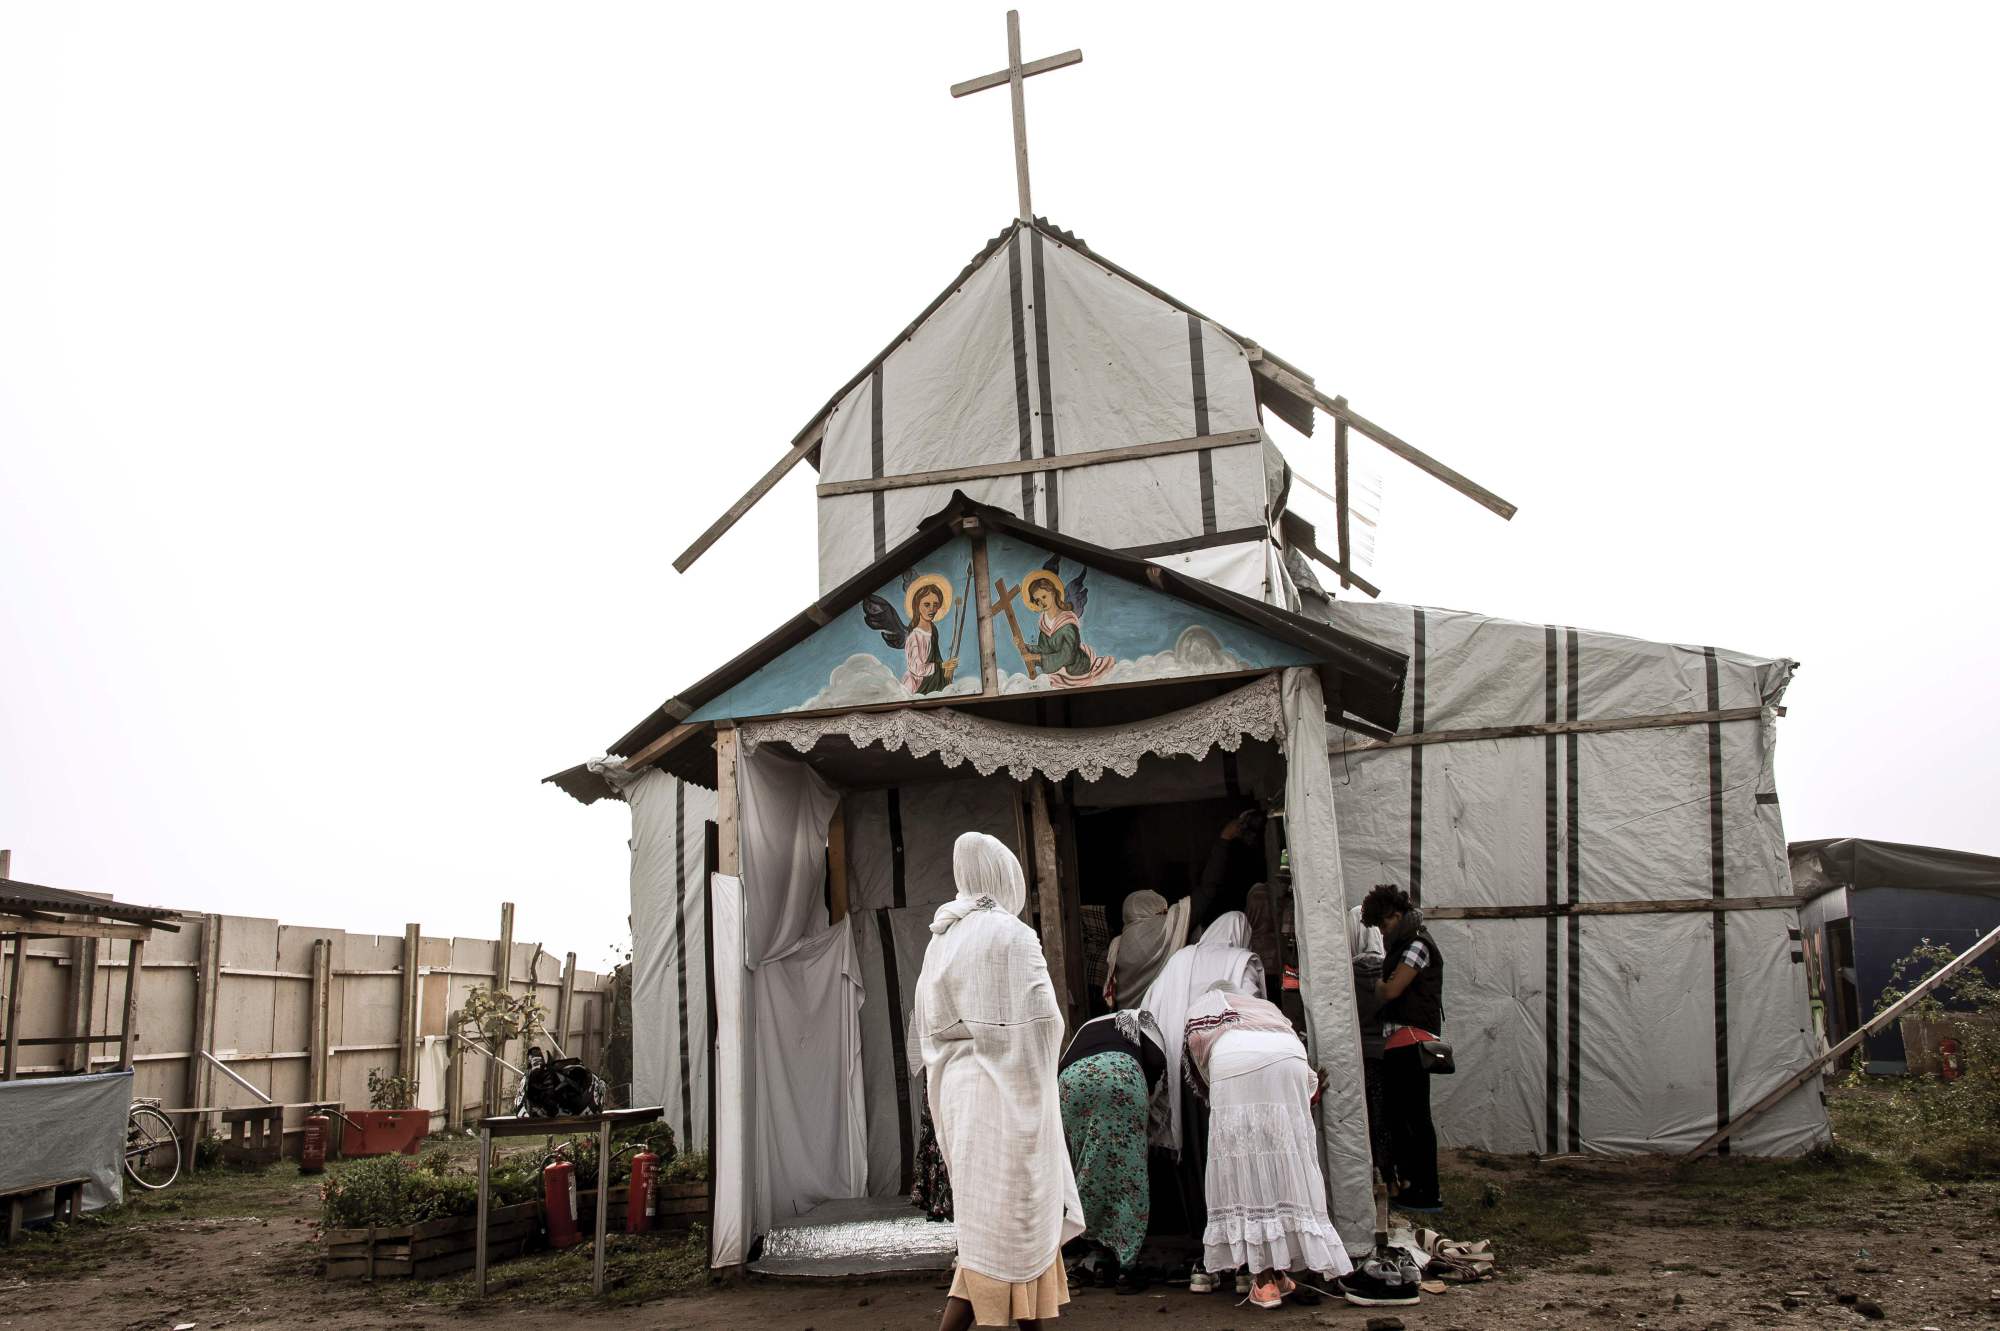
[17, 894]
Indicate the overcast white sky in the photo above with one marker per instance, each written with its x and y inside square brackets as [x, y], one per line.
[363, 367]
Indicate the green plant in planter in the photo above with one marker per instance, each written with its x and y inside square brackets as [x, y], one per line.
[390, 1190]
[390, 1092]
[687, 1167]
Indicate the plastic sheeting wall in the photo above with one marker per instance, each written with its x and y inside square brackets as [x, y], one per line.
[670, 950]
[61, 1128]
[1613, 1033]
[1041, 352]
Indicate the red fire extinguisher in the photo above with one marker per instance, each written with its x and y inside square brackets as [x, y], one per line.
[639, 1206]
[1949, 1066]
[312, 1146]
[559, 1200]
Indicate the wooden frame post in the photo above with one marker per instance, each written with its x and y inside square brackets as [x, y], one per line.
[16, 967]
[128, 1032]
[83, 1002]
[1340, 495]
[408, 1041]
[566, 1003]
[207, 998]
[503, 982]
[1056, 946]
[729, 846]
[982, 590]
[319, 1035]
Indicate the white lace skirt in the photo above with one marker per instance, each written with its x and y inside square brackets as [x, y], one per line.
[1266, 1195]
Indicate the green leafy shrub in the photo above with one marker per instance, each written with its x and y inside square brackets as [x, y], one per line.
[389, 1091]
[1949, 1128]
[391, 1190]
[687, 1167]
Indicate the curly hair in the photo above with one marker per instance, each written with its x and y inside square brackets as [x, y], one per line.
[1382, 901]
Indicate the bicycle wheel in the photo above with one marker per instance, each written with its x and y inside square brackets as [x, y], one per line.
[152, 1151]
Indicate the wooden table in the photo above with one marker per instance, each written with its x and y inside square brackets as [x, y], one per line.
[509, 1126]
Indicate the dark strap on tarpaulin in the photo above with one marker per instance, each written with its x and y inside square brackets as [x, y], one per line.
[1198, 373]
[1050, 487]
[681, 950]
[1718, 887]
[1574, 866]
[1023, 412]
[875, 463]
[899, 1058]
[1416, 887]
[1551, 887]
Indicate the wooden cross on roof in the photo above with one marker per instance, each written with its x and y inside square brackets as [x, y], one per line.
[1012, 77]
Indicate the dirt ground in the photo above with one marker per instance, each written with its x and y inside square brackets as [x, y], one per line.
[1581, 1243]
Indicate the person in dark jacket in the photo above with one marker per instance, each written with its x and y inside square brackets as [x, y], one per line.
[1412, 1013]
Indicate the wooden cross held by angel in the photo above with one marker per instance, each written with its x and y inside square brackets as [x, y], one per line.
[1059, 650]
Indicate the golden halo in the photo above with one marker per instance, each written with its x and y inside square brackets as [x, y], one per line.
[1042, 575]
[936, 580]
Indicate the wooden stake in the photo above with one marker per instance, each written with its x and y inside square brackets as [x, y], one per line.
[319, 1039]
[408, 1041]
[503, 979]
[208, 985]
[989, 667]
[729, 847]
[1048, 899]
[129, 1031]
[14, 1006]
[83, 1004]
[566, 1002]
[1340, 499]
[1806, 1073]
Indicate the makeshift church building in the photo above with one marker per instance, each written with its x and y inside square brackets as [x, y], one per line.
[1062, 600]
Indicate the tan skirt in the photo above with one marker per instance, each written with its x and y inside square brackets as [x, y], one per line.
[1001, 1303]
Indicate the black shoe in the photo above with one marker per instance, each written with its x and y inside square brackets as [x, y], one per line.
[1410, 1202]
[1365, 1290]
[1131, 1282]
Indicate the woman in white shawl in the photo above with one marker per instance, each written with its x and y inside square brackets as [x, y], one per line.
[989, 1032]
[1222, 954]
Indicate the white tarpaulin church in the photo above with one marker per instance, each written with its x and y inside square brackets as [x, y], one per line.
[1062, 600]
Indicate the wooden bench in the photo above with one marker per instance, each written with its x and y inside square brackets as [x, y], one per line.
[68, 1203]
[256, 1135]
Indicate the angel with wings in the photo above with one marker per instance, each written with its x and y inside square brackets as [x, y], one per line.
[1059, 650]
[927, 599]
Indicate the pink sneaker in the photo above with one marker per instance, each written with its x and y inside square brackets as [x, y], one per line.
[1267, 1296]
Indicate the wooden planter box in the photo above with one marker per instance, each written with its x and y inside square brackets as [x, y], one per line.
[675, 1206]
[1921, 1039]
[432, 1248]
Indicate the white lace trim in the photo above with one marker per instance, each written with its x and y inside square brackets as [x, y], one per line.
[1256, 710]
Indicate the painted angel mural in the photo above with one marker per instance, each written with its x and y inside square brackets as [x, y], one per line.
[1058, 651]
[927, 600]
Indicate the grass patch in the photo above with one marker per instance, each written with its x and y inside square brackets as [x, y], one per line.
[118, 1233]
[1533, 1216]
[637, 1269]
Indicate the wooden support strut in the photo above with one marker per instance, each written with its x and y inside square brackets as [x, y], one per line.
[1337, 408]
[1777, 1094]
[804, 445]
[1026, 466]
[1560, 909]
[1606, 725]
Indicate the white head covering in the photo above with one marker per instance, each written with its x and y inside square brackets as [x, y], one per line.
[988, 876]
[1222, 954]
[988, 1031]
[1153, 931]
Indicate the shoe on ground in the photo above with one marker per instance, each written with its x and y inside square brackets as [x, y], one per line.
[1407, 1202]
[1242, 1282]
[1267, 1297]
[1364, 1289]
[1201, 1282]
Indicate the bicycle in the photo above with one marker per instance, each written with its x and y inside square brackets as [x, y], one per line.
[152, 1148]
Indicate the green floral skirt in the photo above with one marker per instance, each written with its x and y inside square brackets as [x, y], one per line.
[1104, 1119]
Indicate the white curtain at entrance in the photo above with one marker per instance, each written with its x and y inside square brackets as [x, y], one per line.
[1333, 1027]
[805, 992]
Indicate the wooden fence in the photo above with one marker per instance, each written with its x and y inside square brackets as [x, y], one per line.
[301, 1013]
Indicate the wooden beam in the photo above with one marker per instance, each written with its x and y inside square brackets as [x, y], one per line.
[806, 444]
[1014, 77]
[1771, 1099]
[1669, 906]
[38, 927]
[729, 846]
[836, 864]
[408, 1040]
[208, 985]
[128, 1033]
[1027, 466]
[566, 1003]
[15, 970]
[1048, 900]
[1311, 550]
[989, 668]
[1410, 453]
[503, 982]
[1028, 71]
[1340, 498]
[318, 1038]
[652, 752]
[1658, 721]
[83, 997]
